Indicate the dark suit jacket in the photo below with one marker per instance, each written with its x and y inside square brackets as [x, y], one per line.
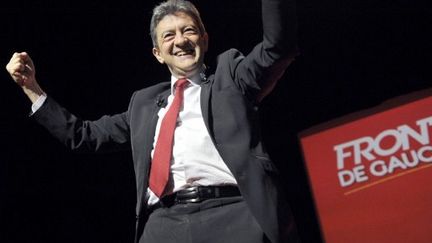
[229, 99]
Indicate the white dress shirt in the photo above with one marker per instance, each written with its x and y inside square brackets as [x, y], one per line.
[195, 160]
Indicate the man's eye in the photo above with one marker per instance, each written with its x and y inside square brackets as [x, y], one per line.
[190, 31]
[167, 36]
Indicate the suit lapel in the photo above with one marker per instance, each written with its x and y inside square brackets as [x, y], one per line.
[160, 102]
[205, 100]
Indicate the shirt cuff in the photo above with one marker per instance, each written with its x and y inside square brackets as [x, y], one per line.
[39, 102]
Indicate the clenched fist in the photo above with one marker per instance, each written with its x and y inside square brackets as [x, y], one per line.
[22, 71]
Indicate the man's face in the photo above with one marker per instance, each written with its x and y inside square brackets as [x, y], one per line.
[181, 46]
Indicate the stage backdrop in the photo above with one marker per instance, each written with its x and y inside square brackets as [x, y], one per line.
[371, 173]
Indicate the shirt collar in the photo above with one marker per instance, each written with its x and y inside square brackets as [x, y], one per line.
[194, 80]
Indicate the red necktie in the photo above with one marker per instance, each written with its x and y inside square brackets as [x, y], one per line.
[160, 167]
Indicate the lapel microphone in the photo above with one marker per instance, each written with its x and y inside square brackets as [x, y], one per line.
[160, 101]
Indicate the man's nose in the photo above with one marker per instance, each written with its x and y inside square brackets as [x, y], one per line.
[180, 40]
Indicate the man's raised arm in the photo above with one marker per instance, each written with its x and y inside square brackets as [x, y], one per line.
[265, 64]
[279, 28]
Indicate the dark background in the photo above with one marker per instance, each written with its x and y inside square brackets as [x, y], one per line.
[91, 56]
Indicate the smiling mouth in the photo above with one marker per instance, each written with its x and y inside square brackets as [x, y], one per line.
[184, 53]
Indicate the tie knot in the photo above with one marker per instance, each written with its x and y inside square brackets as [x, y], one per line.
[180, 84]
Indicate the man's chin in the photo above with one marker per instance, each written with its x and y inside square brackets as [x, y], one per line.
[187, 73]
[193, 68]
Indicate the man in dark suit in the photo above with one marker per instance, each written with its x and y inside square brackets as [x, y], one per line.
[202, 172]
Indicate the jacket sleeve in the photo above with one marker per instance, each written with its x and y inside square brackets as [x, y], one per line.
[257, 73]
[104, 134]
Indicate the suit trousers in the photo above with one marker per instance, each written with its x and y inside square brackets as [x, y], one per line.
[222, 220]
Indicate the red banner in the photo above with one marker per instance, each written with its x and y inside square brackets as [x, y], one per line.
[371, 173]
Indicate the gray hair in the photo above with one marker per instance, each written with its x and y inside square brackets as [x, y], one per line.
[171, 7]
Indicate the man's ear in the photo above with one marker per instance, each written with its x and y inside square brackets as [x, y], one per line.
[205, 39]
[156, 53]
